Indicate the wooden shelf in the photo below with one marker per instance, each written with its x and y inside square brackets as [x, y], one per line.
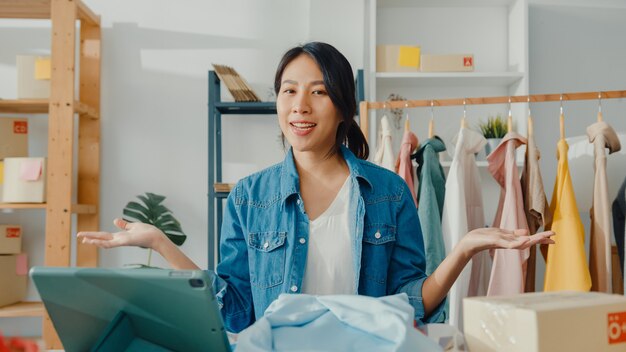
[22, 309]
[76, 208]
[40, 9]
[41, 106]
[441, 79]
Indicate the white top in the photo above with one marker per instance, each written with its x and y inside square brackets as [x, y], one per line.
[329, 269]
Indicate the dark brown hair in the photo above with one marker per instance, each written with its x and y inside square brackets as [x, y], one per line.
[339, 83]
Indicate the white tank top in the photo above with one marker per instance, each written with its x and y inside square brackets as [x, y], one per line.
[329, 269]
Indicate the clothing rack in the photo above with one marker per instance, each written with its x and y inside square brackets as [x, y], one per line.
[365, 106]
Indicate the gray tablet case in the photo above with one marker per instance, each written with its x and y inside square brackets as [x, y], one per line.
[95, 309]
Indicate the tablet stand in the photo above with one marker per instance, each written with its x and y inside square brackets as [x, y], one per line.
[120, 335]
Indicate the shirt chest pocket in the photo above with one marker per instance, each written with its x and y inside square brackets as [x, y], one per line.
[267, 252]
[378, 243]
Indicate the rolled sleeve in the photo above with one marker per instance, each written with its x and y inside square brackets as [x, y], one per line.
[414, 291]
[408, 263]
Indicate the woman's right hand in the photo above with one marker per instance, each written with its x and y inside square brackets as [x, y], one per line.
[132, 234]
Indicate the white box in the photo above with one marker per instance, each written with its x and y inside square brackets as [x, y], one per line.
[10, 239]
[13, 137]
[391, 58]
[552, 321]
[24, 180]
[13, 278]
[28, 85]
[447, 63]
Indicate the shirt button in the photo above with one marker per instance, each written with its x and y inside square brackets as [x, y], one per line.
[298, 201]
[302, 240]
[266, 244]
[294, 288]
[377, 235]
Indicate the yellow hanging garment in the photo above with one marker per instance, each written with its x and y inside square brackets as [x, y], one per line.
[566, 266]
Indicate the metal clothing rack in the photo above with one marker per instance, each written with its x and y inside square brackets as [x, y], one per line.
[365, 106]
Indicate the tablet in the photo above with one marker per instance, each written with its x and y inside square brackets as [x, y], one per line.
[96, 309]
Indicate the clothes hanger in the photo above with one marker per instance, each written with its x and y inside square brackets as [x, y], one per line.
[599, 106]
[530, 120]
[509, 121]
[562, 120]
[431, 123]
[407, 124]
[463, 122]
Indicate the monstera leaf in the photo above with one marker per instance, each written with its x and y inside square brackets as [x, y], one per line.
[152, 212]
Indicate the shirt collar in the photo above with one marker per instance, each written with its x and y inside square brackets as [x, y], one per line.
[290, 181]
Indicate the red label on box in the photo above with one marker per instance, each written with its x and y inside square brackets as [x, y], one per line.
[467, 61]
[20, 127]
[617, 327]
[13, 232]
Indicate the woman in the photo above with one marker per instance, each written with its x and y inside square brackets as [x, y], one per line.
[324, 221]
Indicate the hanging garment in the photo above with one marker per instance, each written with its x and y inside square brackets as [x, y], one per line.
[463, 212]
[566, 267]
[508, 272]
[602, 136]
[619, 223]
[535, 205]
[404, 166]
[384, 155]
[336, 323]
[431, 195]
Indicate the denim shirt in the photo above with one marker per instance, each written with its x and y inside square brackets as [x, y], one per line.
[265, 234]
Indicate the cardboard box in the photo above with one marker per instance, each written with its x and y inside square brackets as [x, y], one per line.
[447, 63]
[10, 239]
[33, 77]
[553, 321]
[397, 58]
[13, 278]
[24, 180]
[13, 137]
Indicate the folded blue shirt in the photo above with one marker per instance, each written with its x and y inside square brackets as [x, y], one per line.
[336, 323]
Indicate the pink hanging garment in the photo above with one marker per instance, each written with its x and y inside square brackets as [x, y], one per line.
[404, 166]
[508, 272]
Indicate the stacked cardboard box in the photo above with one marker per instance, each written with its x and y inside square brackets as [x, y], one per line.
[13, 265]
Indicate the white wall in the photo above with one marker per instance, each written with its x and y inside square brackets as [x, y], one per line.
[576, 49]
[155, 59]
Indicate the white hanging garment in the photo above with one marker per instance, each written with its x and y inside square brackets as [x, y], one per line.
[463, 212]
[385, 156]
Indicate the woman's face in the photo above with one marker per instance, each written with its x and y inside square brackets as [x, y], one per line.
[307, 116]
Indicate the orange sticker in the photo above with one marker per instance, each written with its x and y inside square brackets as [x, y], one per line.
[13, 232]
[467, 61]
[616, 329]
[20, 127]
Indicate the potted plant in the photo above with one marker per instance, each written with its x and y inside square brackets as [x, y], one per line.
[493, 130]
[151, 211]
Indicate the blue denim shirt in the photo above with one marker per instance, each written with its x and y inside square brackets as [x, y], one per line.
[265, 235]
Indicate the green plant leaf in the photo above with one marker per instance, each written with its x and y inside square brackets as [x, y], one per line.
[154, 213]
[135, 216]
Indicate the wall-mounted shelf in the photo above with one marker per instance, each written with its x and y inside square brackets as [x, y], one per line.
[441, 79]
[42, 106]
[22, 309]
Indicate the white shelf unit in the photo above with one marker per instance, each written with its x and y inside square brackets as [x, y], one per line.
[494, 31]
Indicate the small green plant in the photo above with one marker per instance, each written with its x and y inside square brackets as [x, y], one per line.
[495, 127]
[152, 212]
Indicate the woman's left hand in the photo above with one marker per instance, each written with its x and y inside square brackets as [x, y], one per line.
[493, 238]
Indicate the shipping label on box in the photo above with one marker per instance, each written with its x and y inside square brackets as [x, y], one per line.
[14, 278]
[33, 77]
[24, 180]
[552, 321]
[13, 137]
[397, 58]
[10, 239]
[447, 63]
